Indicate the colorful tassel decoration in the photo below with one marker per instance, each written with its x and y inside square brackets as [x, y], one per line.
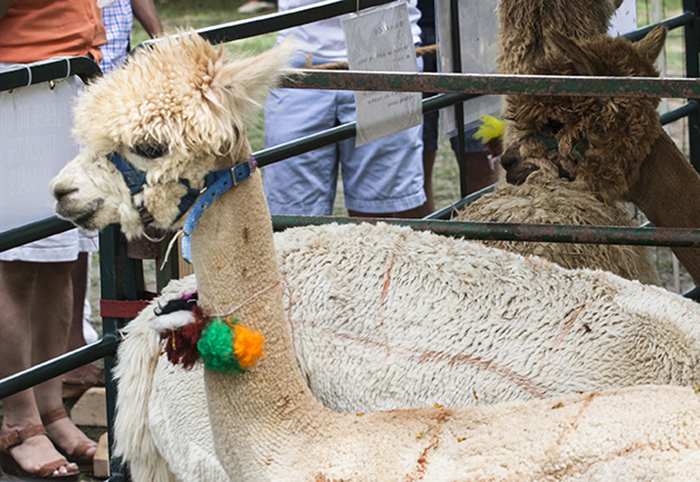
[222, 344]
[490, 128]
[490, 133]
[181, 343]
[228, 347]
[248, 346]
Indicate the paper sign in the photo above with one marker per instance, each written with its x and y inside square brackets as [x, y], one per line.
[478, 29]
[35, 143]
[625, 19]
[380, 40]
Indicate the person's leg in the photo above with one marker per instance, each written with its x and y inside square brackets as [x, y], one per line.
[90, 374]
[79, 275]
[51, 316]
[430, 145]
[20, 411]
[383, 178]
[430, 128]
[303, 184]
[480, 170]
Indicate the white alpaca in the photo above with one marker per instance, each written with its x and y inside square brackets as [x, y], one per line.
[330, 327]
[266, 424]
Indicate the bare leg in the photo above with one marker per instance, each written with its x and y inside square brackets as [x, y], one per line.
[79, 275]
[20, 411]
[52, 313]
[428, 164]
[88, 374]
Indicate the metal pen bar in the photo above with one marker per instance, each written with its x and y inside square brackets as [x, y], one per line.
[544, 85]
[44, 71]
[33, 232]
[274, 22]
[448, 211]
[686, 18]
[341, 133]
[551, 233]
[58, 366]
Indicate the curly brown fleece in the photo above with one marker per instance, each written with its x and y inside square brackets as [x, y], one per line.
[542, 199]
[614, 135]
[523, 24]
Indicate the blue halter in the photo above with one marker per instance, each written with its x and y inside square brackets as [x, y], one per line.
[222, 181]
[215, 184]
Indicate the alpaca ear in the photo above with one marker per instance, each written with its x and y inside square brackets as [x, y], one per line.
[243, 84]
[651, 45]
[576, 56]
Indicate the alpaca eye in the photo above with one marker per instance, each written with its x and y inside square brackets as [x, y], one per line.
[150, 150]
[555, 125]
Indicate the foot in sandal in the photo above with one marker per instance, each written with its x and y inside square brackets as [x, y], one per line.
[24, 453]
[69, 440]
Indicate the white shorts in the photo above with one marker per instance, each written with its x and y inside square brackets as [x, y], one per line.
[58, 248]
[383, 176]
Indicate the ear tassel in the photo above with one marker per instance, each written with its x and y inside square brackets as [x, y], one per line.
[221, 343]
[490, 128]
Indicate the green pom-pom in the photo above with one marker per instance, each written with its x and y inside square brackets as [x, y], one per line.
[216, 348]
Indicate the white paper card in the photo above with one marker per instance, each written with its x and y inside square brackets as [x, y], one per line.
[478, 29]
[624, 19]
[35, 143]
[380, 40]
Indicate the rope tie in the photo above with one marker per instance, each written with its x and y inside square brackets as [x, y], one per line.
[248, 300]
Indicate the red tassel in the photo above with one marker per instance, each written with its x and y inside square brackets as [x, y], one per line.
[181, 344]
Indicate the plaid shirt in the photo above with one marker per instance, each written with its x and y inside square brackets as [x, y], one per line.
[118, 20]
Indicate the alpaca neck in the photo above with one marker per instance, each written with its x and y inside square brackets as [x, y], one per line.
[667, 192]
[236, 269]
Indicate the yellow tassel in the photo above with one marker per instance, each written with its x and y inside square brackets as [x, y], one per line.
[490, 128]
[248, 346]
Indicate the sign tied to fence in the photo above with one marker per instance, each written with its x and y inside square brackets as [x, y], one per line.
[35, 143]
[380, 40]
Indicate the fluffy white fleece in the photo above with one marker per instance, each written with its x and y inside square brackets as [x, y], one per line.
[385, 317]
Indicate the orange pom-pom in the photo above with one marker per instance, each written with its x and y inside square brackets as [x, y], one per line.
[248, 346]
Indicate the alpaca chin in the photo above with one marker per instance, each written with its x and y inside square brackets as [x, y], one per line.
[84, 217]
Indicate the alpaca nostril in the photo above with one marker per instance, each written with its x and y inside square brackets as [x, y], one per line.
[62, 191]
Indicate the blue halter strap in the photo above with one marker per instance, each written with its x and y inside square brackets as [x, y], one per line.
[214, 182]
[222, 181]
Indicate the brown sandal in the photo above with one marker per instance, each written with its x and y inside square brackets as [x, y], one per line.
[79, 454]
[11, 467]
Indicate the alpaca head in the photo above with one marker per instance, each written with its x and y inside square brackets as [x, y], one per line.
[598, 141]
[173, 113]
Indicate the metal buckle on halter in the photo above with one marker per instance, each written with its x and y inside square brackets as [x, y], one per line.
[241, 172]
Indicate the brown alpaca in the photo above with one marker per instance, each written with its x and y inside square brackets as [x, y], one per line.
[547, 200]
[522, 28]
[632, 161]
[593, 145]
[523, 23]
[572, 127]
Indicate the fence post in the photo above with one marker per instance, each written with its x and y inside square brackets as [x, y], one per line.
[692, 65]
[121, 278]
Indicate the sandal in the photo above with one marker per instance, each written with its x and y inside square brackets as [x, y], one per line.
[79, 454]
[10, 466]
